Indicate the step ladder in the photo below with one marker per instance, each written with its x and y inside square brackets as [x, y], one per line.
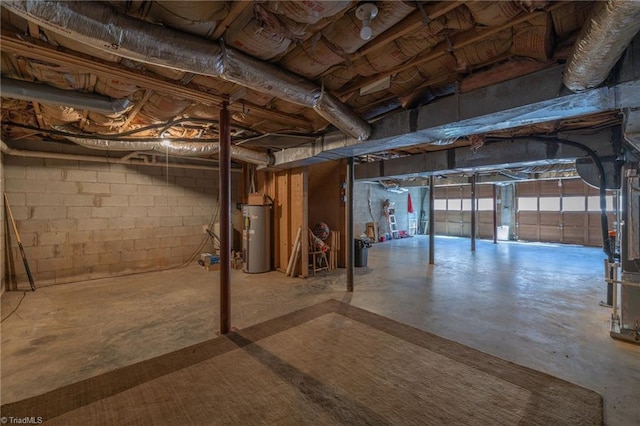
[413, 226]
[393, 225]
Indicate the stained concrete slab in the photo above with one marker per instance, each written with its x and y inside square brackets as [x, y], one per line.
[533, 304]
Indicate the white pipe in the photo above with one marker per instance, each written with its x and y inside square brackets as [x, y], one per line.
[91, 158]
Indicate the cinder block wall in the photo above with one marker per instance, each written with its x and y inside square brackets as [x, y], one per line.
[365, 191]
[84, 220]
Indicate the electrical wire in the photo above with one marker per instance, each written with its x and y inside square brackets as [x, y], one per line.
[119, 136]
[24, 294]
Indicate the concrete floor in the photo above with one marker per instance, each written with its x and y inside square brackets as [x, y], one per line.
[533, 304]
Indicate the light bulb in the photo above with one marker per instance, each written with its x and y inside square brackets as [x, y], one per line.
[165, 142]
[366, 32]
[366, 12]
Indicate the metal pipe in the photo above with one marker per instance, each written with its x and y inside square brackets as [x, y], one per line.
[432, 215]
[473, 213]
[603, 39]
[127, 159]
[27, 91]
[495, 214]
[225, 220]
[184, 149]
[142, 41]
[350, 237]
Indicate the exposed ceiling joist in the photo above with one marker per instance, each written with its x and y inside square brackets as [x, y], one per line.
[458, 42]
[36, 49]
[407, 25]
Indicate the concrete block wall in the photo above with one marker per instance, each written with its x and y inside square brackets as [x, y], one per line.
[363, 192]
[85, 220]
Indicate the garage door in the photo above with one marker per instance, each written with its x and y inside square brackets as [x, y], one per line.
[563, 211]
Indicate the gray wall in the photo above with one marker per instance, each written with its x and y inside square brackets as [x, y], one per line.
[378, 194]
[83, 220]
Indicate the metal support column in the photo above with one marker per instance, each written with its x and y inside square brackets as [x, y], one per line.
[350, 238]
[225, 220]
[473, 213]
[495, 215]
[432, 215]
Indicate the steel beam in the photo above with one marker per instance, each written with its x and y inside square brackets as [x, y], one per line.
[350, 244]
[506, 105]
[495, 214]
[493, 156]
[432, 217]
[473, 213]
[225, 220]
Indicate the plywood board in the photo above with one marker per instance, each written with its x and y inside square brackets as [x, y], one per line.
[282, 211]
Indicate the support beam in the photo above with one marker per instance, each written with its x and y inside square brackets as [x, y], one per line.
[473, 213]
[492, 156]
[432, 217]
[502, 106]
[225, 220]
[350, 237]
[495, 214]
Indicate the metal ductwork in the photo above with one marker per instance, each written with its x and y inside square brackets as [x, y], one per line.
[603, 39]
[99, 26]
[26, 91]
[182, 149]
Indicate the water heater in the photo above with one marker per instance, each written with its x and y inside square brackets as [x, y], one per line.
[256, 238]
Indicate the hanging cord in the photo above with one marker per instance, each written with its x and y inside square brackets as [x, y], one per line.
[24, 294]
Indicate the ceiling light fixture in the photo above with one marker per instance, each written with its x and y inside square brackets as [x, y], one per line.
[365, 12]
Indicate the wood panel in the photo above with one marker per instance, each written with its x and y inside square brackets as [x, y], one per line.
[485, 230]
[282, 217]
[441, 192]
[575, 187]
[527, 189]
[484, 191]
[485, 217]
[548, 188]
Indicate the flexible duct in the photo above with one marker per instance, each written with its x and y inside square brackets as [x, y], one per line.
[97, 25]
[603, 39]
[183, 149]
[27, 91]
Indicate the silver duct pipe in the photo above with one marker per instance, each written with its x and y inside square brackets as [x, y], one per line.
[95, 159]
[27, 91]
[603, 39]
[97, 25]
[183, 149]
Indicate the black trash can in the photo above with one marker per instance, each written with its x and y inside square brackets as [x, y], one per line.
[361, 251]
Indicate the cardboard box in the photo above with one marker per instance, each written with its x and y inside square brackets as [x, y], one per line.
[210, 262]
[256, 199]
